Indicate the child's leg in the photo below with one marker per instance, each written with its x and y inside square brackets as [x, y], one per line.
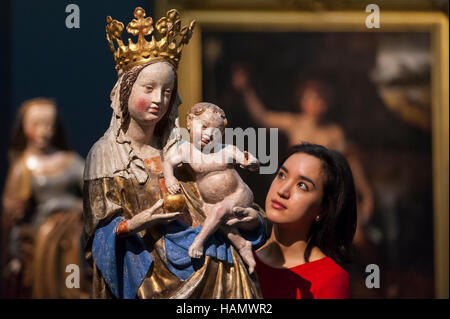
[214, 219]
[243, 246]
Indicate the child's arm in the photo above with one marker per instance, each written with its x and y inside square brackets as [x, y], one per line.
[244, 159]
[173, 159]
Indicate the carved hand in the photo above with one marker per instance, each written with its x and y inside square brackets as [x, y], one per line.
[244, 218]
[150, 217]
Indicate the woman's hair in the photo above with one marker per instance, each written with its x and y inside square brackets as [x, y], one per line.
[18, 138]
[128, 79]
[333, 234]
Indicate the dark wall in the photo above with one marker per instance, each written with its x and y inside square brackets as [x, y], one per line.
[5, 83]
[74, 66]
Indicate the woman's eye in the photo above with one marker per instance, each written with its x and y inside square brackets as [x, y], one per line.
[303, 186]
[281, 175]
[149, 88]
[168, 92]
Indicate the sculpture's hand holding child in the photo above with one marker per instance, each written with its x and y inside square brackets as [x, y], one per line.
[145, 219]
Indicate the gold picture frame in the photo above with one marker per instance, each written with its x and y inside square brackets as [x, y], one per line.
[190, 83]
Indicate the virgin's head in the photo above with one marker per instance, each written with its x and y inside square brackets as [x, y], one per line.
[314, 193]
[147, 94]
[37, 126]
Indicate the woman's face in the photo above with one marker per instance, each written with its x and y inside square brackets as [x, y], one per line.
[296, 192]
[150, 95]
[39, 125]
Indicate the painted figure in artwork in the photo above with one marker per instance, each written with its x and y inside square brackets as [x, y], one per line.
[138, 235]
[222, 189]
[42, 207]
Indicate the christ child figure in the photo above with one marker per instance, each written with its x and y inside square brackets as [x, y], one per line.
[223, 191]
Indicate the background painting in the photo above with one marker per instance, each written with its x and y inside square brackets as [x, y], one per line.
[380, 96]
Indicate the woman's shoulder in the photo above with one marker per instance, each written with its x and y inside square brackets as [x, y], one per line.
[328, 278]
[333, 282]
[324, 267]
[332, 268]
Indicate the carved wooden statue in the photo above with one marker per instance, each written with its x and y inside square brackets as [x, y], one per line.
[137, 243]
[42, 207]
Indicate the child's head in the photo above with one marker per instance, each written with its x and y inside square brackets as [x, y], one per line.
[206, 124]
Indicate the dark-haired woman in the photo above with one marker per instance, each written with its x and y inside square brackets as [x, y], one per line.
[312, 205]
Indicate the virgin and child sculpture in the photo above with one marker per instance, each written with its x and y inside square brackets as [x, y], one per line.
[137, 231]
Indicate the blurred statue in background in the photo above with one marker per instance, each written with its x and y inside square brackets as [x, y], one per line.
[308, 126]
[42, 207]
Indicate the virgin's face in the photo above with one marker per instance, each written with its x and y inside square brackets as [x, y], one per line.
[150, 96]
[39, 125]
[296, 192]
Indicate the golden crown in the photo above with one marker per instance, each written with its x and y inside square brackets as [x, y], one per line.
[168, 48]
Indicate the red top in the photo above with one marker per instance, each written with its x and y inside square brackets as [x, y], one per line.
[319, 279]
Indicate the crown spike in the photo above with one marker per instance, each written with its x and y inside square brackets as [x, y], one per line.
[169, 47]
